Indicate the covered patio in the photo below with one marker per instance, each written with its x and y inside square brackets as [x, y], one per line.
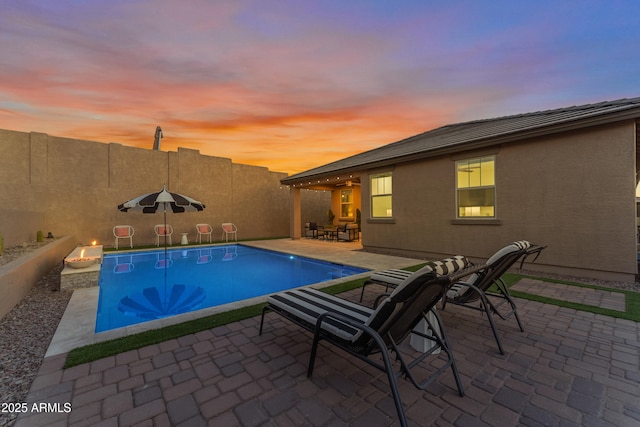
[346, 199]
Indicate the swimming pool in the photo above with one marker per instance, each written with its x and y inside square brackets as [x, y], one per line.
[142, 286]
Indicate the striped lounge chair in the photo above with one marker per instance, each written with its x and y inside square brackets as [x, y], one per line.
[476, 292]
[365, 332]
[392, 277]
[487, 292]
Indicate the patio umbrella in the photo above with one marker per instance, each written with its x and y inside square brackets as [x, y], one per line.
[149, 203]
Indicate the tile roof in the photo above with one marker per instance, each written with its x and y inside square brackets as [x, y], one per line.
[478, 133]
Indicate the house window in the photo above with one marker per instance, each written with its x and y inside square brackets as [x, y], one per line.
[476, 188]
[346, 203]
[381, 196]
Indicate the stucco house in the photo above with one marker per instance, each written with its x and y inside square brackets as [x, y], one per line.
[565, 178]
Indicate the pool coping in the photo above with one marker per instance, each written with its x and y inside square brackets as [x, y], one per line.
[76, 328]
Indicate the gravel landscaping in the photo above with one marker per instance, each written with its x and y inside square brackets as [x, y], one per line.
[27, 330]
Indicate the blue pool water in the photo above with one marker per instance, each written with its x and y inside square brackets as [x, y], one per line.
[142, 286]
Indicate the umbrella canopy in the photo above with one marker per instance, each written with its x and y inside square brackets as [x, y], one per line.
[149, 203]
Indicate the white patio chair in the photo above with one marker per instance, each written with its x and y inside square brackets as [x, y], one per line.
[204, 230]
[162, 230]
[229, 229]
[123, 232]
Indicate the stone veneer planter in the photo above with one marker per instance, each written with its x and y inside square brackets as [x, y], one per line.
[82, 276]
[82, 268]
[18, 277]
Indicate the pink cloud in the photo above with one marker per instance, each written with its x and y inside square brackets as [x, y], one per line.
[289, 85]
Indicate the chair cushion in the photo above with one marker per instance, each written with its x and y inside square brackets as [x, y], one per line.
[204, 229]
[392, 276]
[308, 304]
[122, 231]
[387, 309]
[442, 267]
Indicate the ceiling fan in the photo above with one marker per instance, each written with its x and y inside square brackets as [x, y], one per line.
[347, 183]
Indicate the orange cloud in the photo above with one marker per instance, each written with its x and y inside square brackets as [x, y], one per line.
[294, 85]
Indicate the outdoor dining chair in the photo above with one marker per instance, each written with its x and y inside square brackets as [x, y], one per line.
[163, 230]
[123, 232]
[204, 230]
[374, 333]
[229, 229]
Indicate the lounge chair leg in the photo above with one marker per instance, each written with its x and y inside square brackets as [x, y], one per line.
[487, 309]
[515, 313]
[361, 293]
[440, 341]
[445, 346]
[314, 350]
[514, 308]
[264, 310]
[506, 295]
[393, 384]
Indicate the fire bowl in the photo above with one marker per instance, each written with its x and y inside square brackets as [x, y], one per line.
[80, 262]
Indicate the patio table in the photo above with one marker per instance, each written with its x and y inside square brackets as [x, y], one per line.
[331, 235]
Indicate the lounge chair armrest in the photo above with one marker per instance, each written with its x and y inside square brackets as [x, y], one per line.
[342, 318]
[455, 277]
[379, 298]
[534, 249]
[481, 295]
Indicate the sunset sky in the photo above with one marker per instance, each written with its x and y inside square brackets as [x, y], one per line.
[294, 84]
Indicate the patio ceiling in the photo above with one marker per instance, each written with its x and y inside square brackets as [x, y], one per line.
[329, 183]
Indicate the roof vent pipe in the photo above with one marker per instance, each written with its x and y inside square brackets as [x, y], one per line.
[157, 138]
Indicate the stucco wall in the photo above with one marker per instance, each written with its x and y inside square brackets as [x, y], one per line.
[18, 277]
[314, 206]
[574, 192]
[72, 187]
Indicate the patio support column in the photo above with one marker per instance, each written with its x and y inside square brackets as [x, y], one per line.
[294, 210]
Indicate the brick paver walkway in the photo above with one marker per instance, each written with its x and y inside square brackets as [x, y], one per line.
[568, 368]
[598, 298]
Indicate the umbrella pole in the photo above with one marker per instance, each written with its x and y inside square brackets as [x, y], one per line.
[166, 261]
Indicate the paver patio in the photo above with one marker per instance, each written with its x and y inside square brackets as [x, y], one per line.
[568, 368]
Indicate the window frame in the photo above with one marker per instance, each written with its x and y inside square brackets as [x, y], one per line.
[385, 193]
[350, 202]
[487, 186]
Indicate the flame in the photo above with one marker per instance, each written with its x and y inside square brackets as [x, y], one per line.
[94, 242]
[82, 253]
